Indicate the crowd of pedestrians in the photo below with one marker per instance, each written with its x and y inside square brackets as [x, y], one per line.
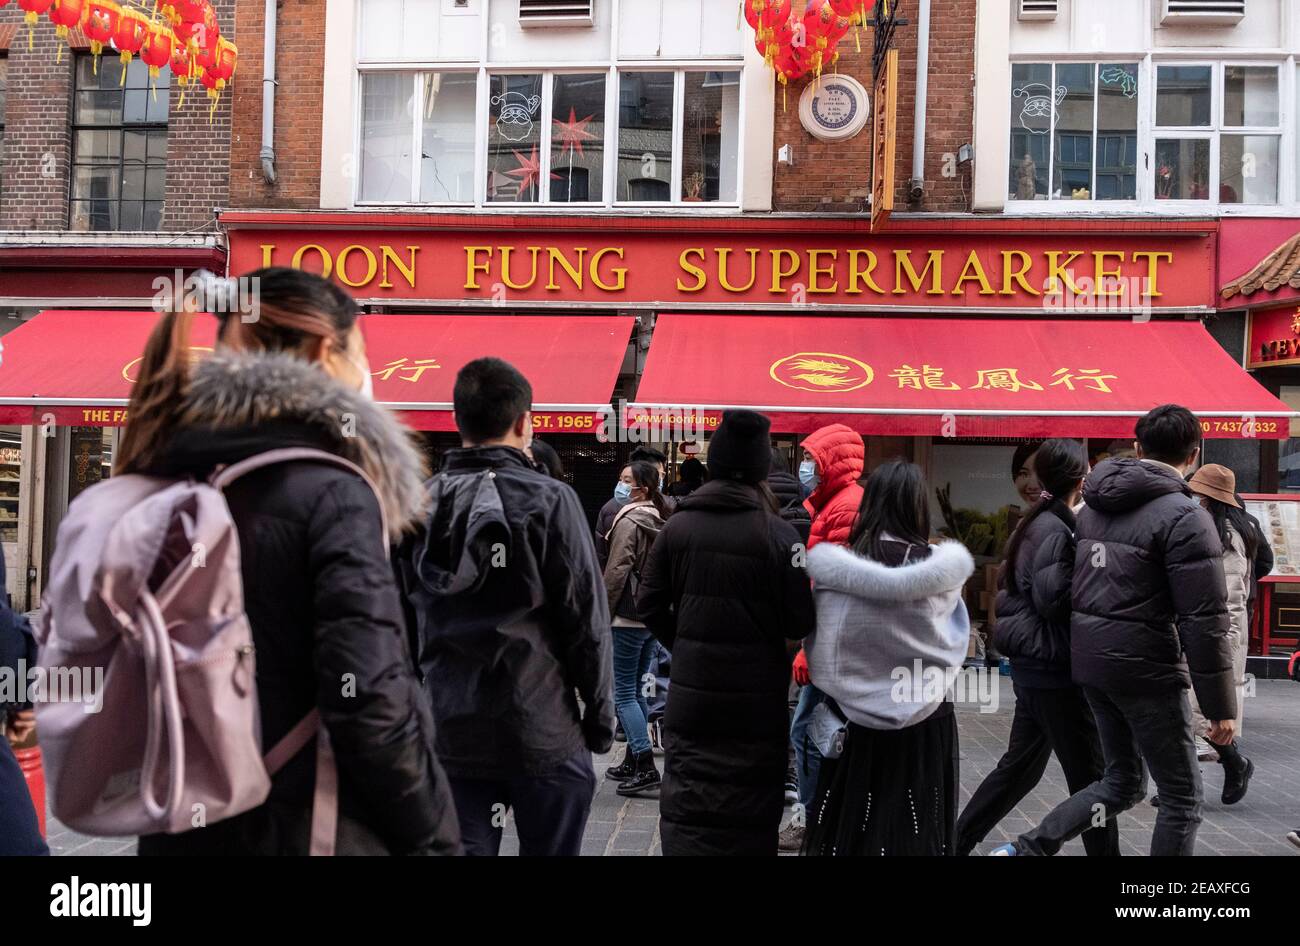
[467, 642]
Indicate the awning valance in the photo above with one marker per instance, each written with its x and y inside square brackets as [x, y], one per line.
[77, 366]
[948, 377]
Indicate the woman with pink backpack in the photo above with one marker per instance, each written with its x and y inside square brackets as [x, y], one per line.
[333, 674]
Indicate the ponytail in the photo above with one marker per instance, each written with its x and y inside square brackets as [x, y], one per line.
[153, 412]
[1059, 465]
[646, 475]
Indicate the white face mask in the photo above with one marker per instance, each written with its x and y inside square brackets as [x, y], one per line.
[367, 389]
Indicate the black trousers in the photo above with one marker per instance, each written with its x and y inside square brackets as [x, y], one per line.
[550, 810]
[1046, 721]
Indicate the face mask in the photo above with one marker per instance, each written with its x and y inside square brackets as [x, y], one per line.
[367, 379]
[808, 475]
[622, 492]
[661, 482]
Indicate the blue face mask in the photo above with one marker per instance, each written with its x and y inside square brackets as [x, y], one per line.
[622, 492]
[808, 476]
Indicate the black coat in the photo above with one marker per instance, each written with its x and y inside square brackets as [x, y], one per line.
[1149, 596]
[323, 604]
[789, 496]
[19, 834]
[513, 618]
[724, 590]
[1033, 613]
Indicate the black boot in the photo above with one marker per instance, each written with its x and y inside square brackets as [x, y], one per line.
[645, 779]
[624, 770]
[1237, 770]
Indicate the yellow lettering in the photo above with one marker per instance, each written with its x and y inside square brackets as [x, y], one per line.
[267, 250]
[1056, 271]
[575, 273]
[505, 267]
[1017, 275]
[1101, 273]
[933, 267]
[701, 278]
[473, 266]
[1153, 260]
[724, 253]
[372, 265]
[620, 272]
[857, 275]
[973, 263]
[387, 255]
[327, 264]
[778, 272]
[814, 271]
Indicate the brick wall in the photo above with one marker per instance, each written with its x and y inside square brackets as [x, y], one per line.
[836, 176]
[34, 176]
[300, 44]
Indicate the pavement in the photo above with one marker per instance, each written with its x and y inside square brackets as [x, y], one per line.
[1255, 826]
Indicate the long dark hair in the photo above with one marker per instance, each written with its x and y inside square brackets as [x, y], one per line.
[646, 475]
[895, 503]
[295, 312]
[1225, 515]
[1059, 465]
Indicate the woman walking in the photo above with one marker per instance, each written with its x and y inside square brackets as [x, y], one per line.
[1216, 487]
[724, 591]
[889, 601]
[319, 591]
[630, 537]
[1033, 630]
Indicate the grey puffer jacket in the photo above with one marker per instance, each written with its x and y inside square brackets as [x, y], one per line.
[1150, 604]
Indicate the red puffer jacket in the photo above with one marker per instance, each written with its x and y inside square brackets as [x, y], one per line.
[834, 503]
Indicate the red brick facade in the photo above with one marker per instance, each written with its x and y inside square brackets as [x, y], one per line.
[38, 136]
[300, 45]
[836, 176]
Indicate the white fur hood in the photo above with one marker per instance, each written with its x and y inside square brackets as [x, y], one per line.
[834, 568]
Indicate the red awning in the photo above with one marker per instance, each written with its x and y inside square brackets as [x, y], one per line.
[77, 367]
[947, 377]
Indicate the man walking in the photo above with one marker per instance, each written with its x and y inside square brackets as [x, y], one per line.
[512, 619]
[1150, 618]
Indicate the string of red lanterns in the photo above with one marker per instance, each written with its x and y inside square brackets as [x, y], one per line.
[181, 34]
[798, 38]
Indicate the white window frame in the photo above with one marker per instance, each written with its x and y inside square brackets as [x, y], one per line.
[485, 67]
[1287, 132]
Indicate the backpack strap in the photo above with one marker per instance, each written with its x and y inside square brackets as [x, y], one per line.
[223, 476]
[325, 803]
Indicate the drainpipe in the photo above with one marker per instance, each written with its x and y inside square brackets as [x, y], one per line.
[916, 186]
[268, 94]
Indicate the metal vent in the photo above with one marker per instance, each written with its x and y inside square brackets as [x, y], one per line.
[570, 13]
[1203, 12]
[1038, 9]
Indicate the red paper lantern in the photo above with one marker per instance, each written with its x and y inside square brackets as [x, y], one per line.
[223, 65]
[196, 24]
[823, 29]
[157, 49]
[66, 14]
[129, 35]
[100, 25]
[34, 9]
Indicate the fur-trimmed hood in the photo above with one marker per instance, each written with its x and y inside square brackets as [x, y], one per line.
[248, 390]
[835, 568]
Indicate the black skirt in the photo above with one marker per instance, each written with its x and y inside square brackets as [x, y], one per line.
[891, 792]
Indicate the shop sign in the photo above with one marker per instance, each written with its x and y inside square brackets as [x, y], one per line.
[1274, 337]
[883, 140]
[1062, 274]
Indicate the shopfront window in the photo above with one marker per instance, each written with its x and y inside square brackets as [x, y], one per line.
[1288, 459]
[119, 146]
[11, 465]
[543, 137]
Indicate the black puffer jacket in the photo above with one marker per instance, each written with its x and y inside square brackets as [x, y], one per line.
[789, 496]
[512, 618]
[323, 604]
[1033, 615]
[723, 591]
[1150, 601]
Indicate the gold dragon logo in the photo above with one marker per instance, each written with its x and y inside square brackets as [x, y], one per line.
[821, 372]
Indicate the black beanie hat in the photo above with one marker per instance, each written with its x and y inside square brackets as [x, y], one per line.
[741, 449]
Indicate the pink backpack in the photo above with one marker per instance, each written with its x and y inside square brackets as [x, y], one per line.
[145, 585]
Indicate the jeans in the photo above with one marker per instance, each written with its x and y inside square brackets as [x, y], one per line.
[634, 647]
[1047, 721]
[1151, 727]
[807, 758]
[550, 809]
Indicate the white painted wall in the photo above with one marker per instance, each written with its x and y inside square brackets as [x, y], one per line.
[992, 104]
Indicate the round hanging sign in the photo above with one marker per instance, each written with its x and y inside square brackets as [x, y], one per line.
[834, 108]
